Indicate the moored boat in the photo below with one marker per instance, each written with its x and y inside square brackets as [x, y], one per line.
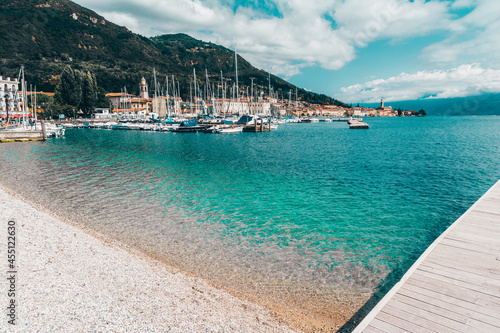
[189, 126]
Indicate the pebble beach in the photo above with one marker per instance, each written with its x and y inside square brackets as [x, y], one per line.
[70, 280]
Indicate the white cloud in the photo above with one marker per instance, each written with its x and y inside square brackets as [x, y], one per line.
[465, 80]
[478, 40]
[329, 33]
[325, 33]
[364, 21]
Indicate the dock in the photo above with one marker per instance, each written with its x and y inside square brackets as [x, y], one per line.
[359, 125]
[455, 285]
[19, 136]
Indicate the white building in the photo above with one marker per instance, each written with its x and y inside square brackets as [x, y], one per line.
[102, 113]
[242, 107]
[11, 99]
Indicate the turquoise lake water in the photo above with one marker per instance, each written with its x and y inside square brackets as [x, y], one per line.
[309, 204]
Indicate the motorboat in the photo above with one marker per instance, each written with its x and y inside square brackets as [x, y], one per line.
[189, 126]
[230, 129]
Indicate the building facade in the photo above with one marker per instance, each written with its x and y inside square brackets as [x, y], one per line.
[11, 100]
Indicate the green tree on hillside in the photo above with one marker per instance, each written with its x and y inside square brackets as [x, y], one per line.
[71, 86]
[89, 93]
[102, 100]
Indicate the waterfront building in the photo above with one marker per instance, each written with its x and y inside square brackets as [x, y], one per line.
[119, 100]
[11, 99]
[244, 106]
[141, 106]
[102, 113]
[386, 111]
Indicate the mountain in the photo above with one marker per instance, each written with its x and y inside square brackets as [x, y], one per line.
[47, 35]
[486, 104]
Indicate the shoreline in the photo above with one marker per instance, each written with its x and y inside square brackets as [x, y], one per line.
[72, 277]
[302, 313]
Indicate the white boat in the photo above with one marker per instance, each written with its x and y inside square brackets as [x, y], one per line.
[109, 124]
[52, 130]
[133, 126]
[168, 127]
[230, 129]
[212, 129]
[247, 120]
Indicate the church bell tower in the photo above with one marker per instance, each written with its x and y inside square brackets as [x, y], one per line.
[143, 89]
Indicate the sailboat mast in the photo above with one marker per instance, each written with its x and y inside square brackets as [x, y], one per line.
[195, 91]
[36, 116]
[31, 97]
[155, 110]
[25, 98]
[237, 88]
[207, 88]
[191, 98]
[269, 81]
[173, 88]
[222, 90]
[179, 93]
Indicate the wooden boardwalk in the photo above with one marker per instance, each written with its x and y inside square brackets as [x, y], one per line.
[455, 285]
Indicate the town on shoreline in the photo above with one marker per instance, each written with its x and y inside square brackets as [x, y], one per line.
[163, 104]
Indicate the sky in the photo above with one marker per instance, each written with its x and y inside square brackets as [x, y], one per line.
[357, 51]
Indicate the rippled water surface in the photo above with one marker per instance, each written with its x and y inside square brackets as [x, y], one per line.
[307, 206]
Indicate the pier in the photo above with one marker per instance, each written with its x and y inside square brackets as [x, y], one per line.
[16, 136]
[455, 285]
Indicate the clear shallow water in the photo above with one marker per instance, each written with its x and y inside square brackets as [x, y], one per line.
[309, 206]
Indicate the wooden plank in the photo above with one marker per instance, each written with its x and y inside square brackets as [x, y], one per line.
[467, 266]
[488, 210]
[490, 299]
[473, 231]
[464, 236]
[480, 218]
[477, 222]
[484, 309]
[461, 265]
[455, 285]
[386, 327]
[423, 276]
[372, 329]
[436, 307]
[480, 224]
[470, 245]
[464, 308]
[464, 254]
[476, 283]
[422, 317]
[481, 326]
[459, 293]
[457, 272]
[439, 296]
[401, 323]
[495, 321]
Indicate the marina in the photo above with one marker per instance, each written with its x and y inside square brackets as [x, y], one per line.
[250, 166]
[235, 124]
[455, 285]
[308, 220]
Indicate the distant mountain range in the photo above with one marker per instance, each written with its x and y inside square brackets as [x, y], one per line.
[487, 104]
[47, 35]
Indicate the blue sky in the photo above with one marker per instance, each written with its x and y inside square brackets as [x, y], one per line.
[354, 50]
